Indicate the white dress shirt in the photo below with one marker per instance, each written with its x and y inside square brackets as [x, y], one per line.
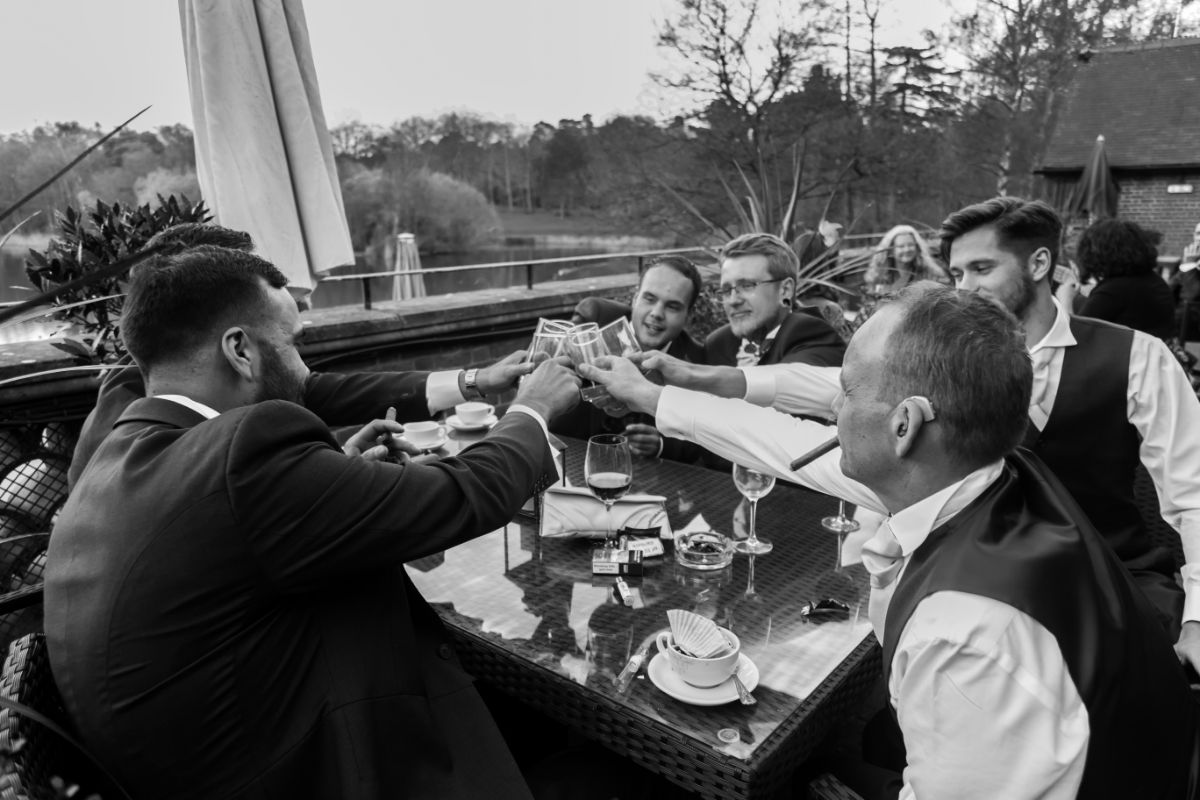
[985, 701]
[1159, 403]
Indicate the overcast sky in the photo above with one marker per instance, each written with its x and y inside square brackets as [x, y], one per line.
[379, 61]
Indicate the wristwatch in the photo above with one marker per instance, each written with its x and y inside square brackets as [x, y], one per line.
[471, 384]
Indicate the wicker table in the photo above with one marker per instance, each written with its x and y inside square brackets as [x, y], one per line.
[531, 620]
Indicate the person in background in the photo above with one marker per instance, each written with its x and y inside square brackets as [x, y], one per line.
[1185, 291]
[1122, 257]
[340, 399]
[227, 611]
[1020, 658]
[662, 307]
[759, 275]
[902, 257]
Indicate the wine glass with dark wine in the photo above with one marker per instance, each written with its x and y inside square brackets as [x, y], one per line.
[608, 470]
[753, 485]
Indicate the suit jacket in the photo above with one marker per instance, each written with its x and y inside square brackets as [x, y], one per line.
[586, 420]
[339, 399]
[803, 338]
[228, 615]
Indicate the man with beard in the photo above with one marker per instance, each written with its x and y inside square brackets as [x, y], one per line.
[340, 399]
[662, 307]
[1105, 398]
[227, 611]
[1020, 659]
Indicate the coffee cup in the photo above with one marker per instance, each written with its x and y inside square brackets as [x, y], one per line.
[474, 413]
[423, 434]
[701, 672]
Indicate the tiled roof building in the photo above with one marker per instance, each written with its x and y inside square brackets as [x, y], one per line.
[1145, 100]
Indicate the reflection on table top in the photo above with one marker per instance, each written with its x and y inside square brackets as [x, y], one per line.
[535, 607]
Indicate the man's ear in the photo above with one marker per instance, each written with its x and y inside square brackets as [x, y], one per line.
[788, 291]
[905, 425]
[239, 351]
[1040, 263]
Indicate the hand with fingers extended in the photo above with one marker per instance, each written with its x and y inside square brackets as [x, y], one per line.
[551, 389]
[378, 441]
[624, 382]
[504, 374]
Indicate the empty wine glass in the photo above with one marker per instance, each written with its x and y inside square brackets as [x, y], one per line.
[608, 470]
[835, 585]
[753, 485]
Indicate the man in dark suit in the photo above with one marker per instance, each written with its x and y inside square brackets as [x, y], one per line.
[336, 398]
[662, 307]
[759, 273]
[226, 608]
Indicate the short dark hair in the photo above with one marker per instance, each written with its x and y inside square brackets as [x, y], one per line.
[1110, 248]
[1022, 226]
[176, 302]
[194, 234]
[967, 355]
[782, 261]
[684, 267]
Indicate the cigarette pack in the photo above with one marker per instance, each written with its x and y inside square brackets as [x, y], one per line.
[616, 562]
[649, 548]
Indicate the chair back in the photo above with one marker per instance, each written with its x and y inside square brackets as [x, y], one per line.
[22, 563]
[50, 747]
[1161, 534]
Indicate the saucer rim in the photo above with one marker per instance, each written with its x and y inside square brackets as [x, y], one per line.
[441, 442]
[714, 692]
[456, 422]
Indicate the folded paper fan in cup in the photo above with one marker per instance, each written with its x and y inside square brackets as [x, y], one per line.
[696, 634]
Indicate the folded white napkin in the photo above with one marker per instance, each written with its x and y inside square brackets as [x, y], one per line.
[568, 511]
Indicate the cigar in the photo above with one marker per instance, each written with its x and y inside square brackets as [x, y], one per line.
[814, 454]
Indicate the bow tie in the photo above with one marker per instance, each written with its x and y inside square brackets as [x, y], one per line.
[882, 556]
[750, 352]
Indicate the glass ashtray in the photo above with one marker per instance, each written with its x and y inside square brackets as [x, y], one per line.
[703, 550]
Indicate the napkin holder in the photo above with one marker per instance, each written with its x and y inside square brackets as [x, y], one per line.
[572, 512]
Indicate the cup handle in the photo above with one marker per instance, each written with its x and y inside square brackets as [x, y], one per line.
[663, 642]
[491, 409]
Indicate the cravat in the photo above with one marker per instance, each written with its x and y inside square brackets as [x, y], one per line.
[1041, 383]
[749, 353]
[882, 556]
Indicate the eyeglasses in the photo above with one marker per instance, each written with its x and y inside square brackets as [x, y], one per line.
[743, 288]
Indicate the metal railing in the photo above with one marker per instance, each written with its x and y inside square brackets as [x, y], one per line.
[528, 264]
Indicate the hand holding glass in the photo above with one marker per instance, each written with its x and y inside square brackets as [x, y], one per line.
[753, 485]
[608, 470]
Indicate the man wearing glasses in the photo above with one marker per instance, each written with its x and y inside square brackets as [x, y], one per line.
[759, 276]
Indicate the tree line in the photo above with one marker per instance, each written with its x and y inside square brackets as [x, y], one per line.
[792, 115]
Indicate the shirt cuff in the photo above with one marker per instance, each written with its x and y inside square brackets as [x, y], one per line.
[1191, 592]
[441, 390]
[760, 386]
[524, 409]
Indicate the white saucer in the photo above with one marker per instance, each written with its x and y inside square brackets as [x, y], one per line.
[429, 448]
[454, 422]
[664, 678]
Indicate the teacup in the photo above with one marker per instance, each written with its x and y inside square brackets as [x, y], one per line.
[474, 413]
[423, 434]
[702, 672]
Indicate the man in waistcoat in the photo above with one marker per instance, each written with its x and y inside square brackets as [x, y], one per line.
[1020, 658]
[1105, 399]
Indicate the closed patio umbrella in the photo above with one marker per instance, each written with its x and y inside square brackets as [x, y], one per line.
[1096, 193]
[263, 153]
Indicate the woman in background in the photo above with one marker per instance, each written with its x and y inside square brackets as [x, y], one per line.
[1123, 259]
[901, 258]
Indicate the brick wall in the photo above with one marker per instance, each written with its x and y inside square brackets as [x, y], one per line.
[1144, 200]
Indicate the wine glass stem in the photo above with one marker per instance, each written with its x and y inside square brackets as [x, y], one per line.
[608, 535]
[841, 510]
[753, 508]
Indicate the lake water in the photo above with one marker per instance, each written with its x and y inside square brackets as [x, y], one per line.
[15, 286]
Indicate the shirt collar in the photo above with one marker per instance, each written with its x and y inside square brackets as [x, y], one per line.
[771, 335]
[1059, 334]
[187, 402]
[912, 525]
